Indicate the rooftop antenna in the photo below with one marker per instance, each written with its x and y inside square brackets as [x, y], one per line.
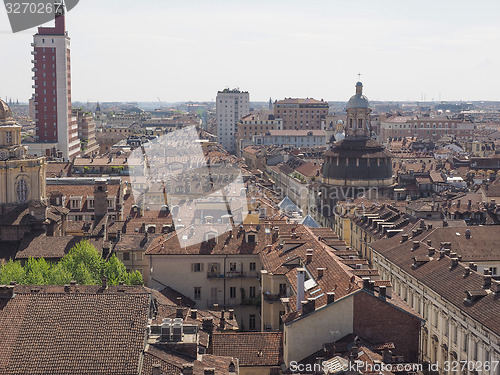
[359, 76]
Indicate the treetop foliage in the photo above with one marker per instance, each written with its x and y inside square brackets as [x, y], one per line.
[83, 264]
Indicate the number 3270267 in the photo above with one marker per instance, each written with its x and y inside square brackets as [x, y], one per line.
[32, 8]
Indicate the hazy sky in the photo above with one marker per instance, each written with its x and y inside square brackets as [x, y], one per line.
[187, 50]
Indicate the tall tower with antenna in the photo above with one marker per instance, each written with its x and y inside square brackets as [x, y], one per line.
[56, 127]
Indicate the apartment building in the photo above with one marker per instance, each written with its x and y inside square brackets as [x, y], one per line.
[300, 113]
[222, 271]
[458, 299]
[430, 128]
[253, 124]
[231, 105]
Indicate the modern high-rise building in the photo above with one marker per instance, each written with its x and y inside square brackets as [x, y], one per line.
[231, 106]
[56, 127]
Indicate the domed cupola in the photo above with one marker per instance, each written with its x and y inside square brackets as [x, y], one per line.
[358, 115]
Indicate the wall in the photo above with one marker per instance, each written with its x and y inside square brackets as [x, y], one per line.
[379, 322]
[307, 335]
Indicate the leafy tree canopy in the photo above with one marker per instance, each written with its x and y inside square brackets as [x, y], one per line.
[83, 264]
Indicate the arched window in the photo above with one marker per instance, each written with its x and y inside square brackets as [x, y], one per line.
[22, 191]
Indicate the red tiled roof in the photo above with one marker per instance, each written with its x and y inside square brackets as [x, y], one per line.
[92, 331]
[251, 348]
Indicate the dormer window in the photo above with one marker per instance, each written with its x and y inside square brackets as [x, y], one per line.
[75, 202]
[90, 202]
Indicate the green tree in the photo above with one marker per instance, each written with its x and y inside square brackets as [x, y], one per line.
[83, 264]
[12, 271]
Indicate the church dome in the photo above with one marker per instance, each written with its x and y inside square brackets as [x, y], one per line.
[358, 100]
[5, 112]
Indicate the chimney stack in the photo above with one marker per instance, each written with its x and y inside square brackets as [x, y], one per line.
[300, 287]
[311, 303]
[187, 369]
[156, 369]
[7, 291]
[207, 324]
[487, 281]
[429, 242]
[231, 314]
[366, 283]
[194, 314]
[321, 272]
[382, 292]
[179, 299]
[495, 287]
[208, 371]
[454, 262]
[179, 313]
[431, 251]
[415, 245]
[309, 255]
[330, 297]
[404, 238]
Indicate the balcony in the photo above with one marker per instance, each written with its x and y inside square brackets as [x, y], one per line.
[33, 52]
[270, 297]
[32, 44]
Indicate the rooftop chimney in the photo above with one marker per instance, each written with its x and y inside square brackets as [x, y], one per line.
[7, 291]
[382, 292]
[321, 272]
[431, 251]
[187, 369]
[429, 242]
[309, 255]
[486, 281]
[179, 313]
[311, 303]
[208, 371]
[467, 234]
[179, 301]
[207, 324]
[366, 283]
[330, 297]
[300, 287]
[415, 245]
[495, 287]
[231, 314]
[194, 314]
[156, 369]
[404, 238]
[454, 262]
[467, 271]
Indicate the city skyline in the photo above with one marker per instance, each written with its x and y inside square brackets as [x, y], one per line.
[190, 51]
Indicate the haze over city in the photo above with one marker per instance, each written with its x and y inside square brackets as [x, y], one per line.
[175, 51]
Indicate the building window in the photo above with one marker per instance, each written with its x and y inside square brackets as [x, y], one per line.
[232, 267]
[252, 292]
[22, 191]
[197, 267]
[251, 322]
[126, 256]
[232, 292]
[252, 266]
[465, 341]
[90, 203]
[8, 137]
[197, 292]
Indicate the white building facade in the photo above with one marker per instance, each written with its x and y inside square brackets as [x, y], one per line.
[231, 105]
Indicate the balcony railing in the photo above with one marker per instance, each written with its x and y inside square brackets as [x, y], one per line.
[232, 274]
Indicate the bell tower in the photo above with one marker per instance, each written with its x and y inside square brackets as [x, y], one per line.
[358, 115]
